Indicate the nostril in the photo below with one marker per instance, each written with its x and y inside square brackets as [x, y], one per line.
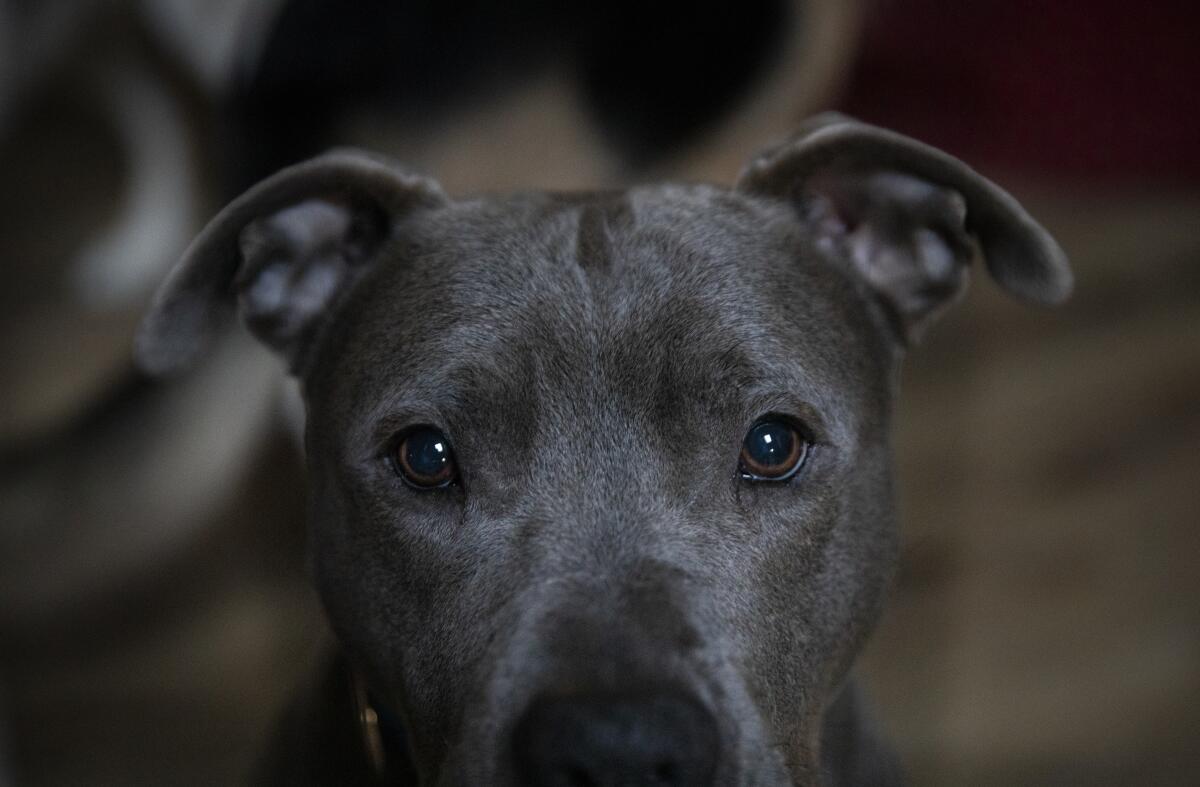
[592, 740]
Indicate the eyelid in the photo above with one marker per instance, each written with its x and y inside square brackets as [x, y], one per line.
[787, 407]
[386, 433]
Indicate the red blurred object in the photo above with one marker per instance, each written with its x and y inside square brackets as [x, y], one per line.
[1104, 90]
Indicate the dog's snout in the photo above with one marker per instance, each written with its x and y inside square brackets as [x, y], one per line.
[605, 740]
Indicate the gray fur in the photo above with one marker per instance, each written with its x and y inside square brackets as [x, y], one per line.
[596, 359]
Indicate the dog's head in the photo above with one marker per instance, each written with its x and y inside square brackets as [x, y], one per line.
[600, 483]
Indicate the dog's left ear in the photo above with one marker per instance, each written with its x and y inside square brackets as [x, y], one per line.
[284, 252]
[907, 217]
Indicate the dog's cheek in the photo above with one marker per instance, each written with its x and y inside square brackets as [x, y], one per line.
[788, 642]
[367, 570]
[821, 561]
[855, 568]
[348, 563]
[410, 606]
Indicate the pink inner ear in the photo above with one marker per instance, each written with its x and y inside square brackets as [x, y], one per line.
[294, 263]
[918, 263]
[316, 285]
[834, 202]
[830, 225]
[903, 236]
[268, 289]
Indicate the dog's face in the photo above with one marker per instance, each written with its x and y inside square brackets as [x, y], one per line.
[594, 367]
[600, 483]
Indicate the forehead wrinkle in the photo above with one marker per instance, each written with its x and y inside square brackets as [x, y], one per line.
[596, 222]
[704, 327]
[538, 345]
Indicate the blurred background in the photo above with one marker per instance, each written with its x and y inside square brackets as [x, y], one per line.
[154, 605]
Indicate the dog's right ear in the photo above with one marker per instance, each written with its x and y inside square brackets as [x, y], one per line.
[284, 252]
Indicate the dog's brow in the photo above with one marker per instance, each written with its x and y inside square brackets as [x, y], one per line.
[592, 247]
[593, 241]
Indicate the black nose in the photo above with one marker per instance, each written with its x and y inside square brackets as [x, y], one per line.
[605, 740]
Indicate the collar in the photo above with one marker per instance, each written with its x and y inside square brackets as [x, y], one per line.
[384, 742]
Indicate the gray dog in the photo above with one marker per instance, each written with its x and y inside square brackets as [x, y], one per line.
[600, 483]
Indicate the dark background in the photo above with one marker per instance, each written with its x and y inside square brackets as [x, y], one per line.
[154, 605]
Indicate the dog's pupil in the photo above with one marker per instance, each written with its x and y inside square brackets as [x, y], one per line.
[427, 454]
[770, 448]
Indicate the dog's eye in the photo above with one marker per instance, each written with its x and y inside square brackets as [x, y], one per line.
[423, 457]
[772, 451]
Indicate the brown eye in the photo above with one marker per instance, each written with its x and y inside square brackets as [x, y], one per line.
[424, 458]
[773, 450]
